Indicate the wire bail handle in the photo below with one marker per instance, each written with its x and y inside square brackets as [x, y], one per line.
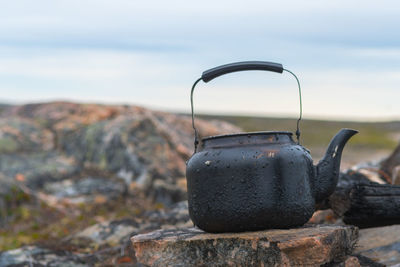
[210, 74]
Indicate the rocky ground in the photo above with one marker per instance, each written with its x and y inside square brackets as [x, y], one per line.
[78, 180]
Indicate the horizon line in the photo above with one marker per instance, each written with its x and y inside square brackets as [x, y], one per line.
[212, 113]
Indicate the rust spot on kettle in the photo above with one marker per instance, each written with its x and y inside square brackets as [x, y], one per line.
[268, 153]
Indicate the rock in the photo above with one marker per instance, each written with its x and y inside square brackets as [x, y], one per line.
[56, 154]
[37, 256]
[142, 147]
[381, 244]
[389, 166]
[118, 232]
[310, 246]
[352, 262]
[367, 262]
[371, 170]
[86, 190]
[324, 217]
[355, 261]
[175, 217]
[110, 241]
[396, 175]
[110, 233]
[106, 243]
[3, 107]
[31, 171]
[23, 135]
[35, 169]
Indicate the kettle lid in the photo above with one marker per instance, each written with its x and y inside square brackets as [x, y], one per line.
[252, 138]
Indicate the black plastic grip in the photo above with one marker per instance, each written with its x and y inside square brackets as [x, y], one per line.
[210, 74]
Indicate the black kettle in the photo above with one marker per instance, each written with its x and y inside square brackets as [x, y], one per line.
[258, 180]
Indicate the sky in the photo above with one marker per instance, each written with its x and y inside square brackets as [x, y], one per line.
[345, 53]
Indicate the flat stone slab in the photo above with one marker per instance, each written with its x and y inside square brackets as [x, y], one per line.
[306, 246]
[381, 244]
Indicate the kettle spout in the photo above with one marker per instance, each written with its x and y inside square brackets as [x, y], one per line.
[327, 170]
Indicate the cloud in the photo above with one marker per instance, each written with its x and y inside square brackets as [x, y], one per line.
[149, 52]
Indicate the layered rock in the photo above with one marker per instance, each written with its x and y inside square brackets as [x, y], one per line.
[306, 246]
[41, 144]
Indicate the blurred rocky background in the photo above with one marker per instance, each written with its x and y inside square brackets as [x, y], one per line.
[78, 180]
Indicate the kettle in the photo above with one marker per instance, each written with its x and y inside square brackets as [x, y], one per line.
[259, 180]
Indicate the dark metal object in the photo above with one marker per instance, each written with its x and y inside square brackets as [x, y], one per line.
[363, 203]
[261, 180]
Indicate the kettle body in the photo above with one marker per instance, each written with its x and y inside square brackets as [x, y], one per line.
[250, 181]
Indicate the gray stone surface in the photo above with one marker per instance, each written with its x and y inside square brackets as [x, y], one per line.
[86, 189]
[110, 233]
[37, 257]
[37, 168]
